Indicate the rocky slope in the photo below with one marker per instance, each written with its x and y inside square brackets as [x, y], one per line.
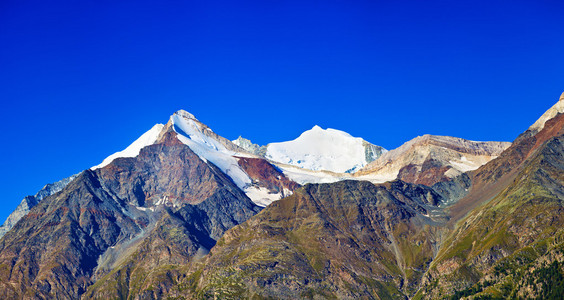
[30, 201]
[558, 108]
[431, 159]
[511, 227]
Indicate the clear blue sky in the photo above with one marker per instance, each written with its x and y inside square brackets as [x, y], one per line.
[80, 80]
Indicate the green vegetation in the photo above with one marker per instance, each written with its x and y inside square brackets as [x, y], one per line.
[548, 281]
[472, 290]
[224, 287]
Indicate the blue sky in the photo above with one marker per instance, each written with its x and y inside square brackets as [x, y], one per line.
[80, 80]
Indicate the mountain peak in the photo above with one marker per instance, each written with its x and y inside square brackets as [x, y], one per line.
[325, 149]
[247, 145]
[185, 114]
[318, 132]
[429, 159]
[561, 97]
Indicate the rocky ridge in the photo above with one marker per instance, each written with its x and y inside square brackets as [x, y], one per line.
[30, 201]
[431, 159]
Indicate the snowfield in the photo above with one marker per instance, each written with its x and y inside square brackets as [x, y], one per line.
[321, 149]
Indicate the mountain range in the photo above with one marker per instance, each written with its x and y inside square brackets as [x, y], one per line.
[184, 213]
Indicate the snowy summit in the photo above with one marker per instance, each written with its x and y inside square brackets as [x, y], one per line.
[325, 149]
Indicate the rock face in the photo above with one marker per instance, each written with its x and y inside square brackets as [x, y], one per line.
[250, 147]
[431, 159]
[30, 201]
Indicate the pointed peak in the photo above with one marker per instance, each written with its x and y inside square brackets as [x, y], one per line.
[316, 130]
[185, 114]
[561, 97]
[241, 139]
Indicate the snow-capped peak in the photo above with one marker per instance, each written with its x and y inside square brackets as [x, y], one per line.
[317, 130]
[322, 149]
[186, 124]
[148, 138]
[208, 146]
[221, 152]
[185, 115]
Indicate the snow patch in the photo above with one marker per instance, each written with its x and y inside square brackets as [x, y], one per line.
[261, 196]
[141, 208]
[303, 176]
[379, 177]
[464, 165]
[161, 201]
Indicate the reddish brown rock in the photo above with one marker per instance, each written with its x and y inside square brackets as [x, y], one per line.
[266, 175]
